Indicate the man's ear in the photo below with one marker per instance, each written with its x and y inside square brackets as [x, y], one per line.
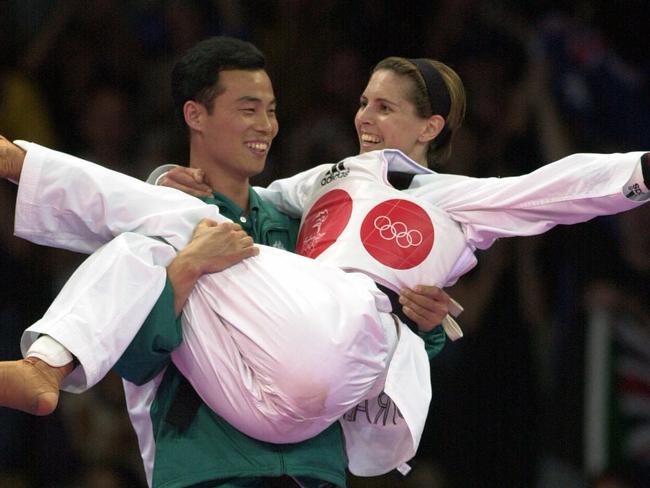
[434, 126]
[194, 114]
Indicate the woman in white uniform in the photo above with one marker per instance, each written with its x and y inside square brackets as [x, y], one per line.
[338, 343]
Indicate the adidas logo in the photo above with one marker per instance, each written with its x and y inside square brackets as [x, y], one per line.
[337, 171]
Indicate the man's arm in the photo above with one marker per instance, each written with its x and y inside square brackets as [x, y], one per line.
[150, 350]
[213, 248]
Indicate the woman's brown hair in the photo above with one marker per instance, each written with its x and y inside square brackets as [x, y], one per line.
[440, 148]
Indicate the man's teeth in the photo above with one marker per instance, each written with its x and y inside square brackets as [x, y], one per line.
[370, 138]
[258, 146]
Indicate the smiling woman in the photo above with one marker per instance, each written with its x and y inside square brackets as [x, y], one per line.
[415, 106]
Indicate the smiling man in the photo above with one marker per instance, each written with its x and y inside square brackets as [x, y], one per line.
[230, 134]
[224, 96]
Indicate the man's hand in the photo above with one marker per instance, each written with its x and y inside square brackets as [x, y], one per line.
[187, 180]
[213, 248]
[425, 305]
[11, 160]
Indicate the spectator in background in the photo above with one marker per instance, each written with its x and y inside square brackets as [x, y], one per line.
[70, 51]
[101, 435]
[606, 97]
[22, 104]
[166, 29]
[24, 108]
[73, 52]
[325, 135]
[106, 130]
[616, 321]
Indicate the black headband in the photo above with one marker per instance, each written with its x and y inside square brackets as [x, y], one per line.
[438, 94]
[436, 87]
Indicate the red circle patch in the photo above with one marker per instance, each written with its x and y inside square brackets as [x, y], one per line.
[398, 234]
[324, 223]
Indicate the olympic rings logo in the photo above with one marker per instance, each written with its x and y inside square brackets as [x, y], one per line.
[404, 237]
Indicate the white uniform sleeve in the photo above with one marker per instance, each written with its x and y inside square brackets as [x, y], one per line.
[290, 195]
[73, 204]
[574, 189]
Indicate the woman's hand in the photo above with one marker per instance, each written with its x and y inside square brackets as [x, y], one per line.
[425, 305]
[187, 180]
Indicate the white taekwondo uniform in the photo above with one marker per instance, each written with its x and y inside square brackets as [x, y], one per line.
[320, 340]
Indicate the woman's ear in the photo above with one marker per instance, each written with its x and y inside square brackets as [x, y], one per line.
[193, 113]
[434, 126]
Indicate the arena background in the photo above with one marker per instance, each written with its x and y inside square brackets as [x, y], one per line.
[551, 385]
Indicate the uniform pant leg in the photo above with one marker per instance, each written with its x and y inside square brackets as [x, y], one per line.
[281, 345]
[103, 304]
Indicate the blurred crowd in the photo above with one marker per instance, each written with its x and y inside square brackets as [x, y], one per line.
[545, 318]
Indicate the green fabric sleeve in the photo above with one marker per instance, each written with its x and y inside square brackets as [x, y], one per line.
[434, 341]
[150, 350]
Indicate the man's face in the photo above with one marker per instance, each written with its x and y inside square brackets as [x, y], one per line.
[237, 134]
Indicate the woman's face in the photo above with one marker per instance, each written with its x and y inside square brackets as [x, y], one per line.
[387, 119]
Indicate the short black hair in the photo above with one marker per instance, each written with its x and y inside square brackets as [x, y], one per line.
[196, 75]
